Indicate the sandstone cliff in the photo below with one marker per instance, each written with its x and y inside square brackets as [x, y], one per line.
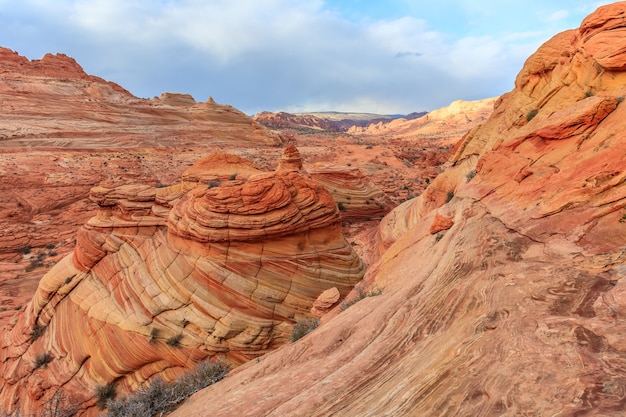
[502, 284]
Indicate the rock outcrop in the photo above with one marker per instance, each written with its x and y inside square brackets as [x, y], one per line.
[163, 277]
[52, 102]
[516, 306]
[444, 126]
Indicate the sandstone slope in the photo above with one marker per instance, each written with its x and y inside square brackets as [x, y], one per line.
[502, 284]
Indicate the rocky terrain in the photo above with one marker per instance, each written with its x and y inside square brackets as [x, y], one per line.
[494, 288]
[101, 208]
[502, 285]
[329, 121]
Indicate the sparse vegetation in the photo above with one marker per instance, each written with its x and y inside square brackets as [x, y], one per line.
[213, 184]
[42, 360]
[233, 177]
[449, 196]
[26, 250]
[58, 405]
[589, 93]
[470, 175]
[159, 397]
[623, 219]
[531, 114]
[154, 333]
[38, 331]
[341, 206]
[49, 246]
[174, 340]
[361, 294]
[303, 327]
[105, 394]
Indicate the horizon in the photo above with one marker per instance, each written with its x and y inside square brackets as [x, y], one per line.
[299, 56]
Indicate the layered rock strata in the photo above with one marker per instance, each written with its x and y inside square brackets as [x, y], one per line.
[164, 277]
[515, 303]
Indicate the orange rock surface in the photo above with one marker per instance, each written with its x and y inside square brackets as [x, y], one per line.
[519, 307]
[163, 277]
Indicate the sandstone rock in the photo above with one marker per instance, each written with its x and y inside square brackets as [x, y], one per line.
[440, 223]
[161, 278]
[326, 301]
[517, 309]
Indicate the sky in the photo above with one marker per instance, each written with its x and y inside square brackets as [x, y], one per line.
[386, 57]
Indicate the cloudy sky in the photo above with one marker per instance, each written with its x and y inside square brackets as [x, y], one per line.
[394, 56]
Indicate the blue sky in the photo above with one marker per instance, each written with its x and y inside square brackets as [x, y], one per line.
[395, 56]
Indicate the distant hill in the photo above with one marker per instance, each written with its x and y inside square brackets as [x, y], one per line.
[331, 121]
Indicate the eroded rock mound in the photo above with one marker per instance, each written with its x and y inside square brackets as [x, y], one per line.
[502, 284]
[164, 277]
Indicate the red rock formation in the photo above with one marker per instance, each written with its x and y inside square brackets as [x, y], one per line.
[163, 277]
[444, 126]
[518, 307]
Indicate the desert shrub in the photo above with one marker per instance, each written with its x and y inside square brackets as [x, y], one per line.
[360, 295]
[38, 331]
[42, 360]
[341, 206]
[531, 114]
[233, 177]
[623, 219]
[449, 196]
[470, 175]
[213, 184]
[26, 250]
[154, 333]
[303, 327]
[58, 405]
[160, 397]
[105, 394]
[174, 340]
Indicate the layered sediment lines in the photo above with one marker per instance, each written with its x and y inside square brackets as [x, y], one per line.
[164, 277]
[502, 285]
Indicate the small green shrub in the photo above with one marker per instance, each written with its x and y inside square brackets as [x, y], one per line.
[213, 184]
[623, 219]
[449, 196]
[49, 246]
[233, 177]
[470, 175]
[42, 360]
[531, 114]
[26, 250]
[341, 206]
[105, 394]
[304, 327]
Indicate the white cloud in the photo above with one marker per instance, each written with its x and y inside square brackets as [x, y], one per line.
[284, 54]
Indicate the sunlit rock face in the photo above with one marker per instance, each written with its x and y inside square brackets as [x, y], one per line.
[514, 304]
[219, 264]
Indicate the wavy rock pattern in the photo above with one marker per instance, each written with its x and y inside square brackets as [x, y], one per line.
[518, 307]
[163, 277]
